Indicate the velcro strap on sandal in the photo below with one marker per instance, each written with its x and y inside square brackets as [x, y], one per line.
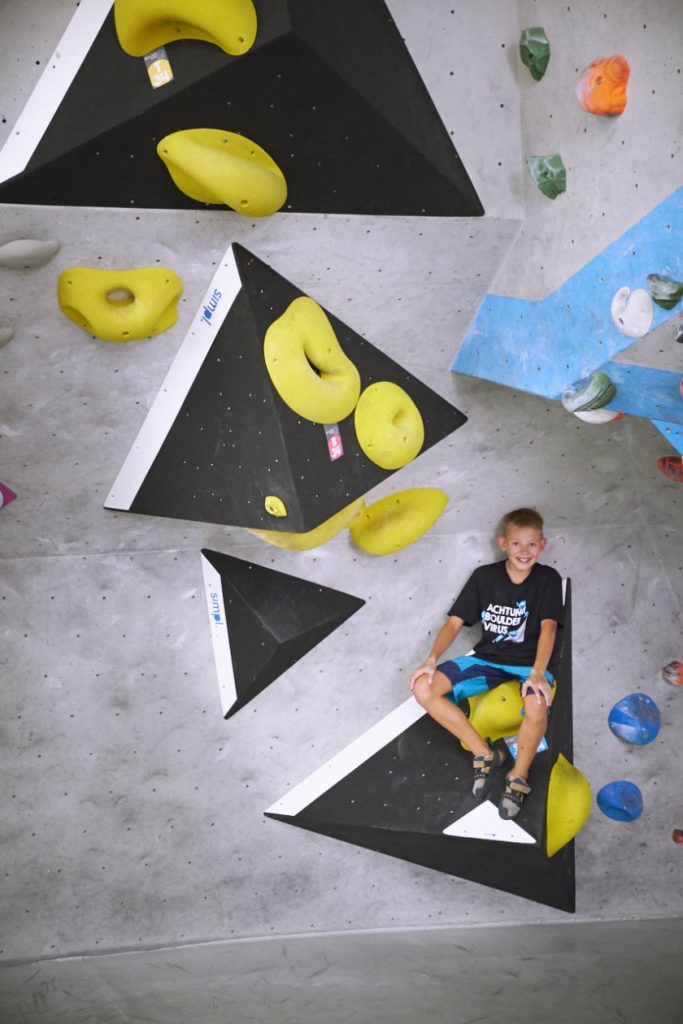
[518, 786]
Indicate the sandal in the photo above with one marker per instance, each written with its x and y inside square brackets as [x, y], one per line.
[513, 795]
[485, 767]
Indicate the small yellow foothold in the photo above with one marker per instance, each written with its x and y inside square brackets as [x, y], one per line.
[312, 538]
[120, 305]
[145, 26]
[396, 521]
[275, 506]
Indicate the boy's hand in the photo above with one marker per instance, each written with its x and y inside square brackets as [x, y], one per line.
[428, 668]
[539, 685]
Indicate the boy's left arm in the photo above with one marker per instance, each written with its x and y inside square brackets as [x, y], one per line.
[537, 682]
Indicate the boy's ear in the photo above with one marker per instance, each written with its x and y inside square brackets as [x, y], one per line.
[502, 543]
[544, 541]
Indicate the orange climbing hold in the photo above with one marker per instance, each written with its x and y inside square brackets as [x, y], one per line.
[601, 88]
[671, 466]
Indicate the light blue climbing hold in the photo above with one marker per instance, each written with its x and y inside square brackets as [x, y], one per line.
[635, 718]
[621, 800]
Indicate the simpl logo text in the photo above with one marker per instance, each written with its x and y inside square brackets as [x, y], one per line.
[210, 307]
[215, 608]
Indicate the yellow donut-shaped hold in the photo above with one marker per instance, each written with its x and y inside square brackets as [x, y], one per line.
[223, 168]
[275, 506]
[497, 712]
[120, 305]
[393, 523]
[307, 366]
[569, 804]
[313, 538]
[388, 425]
[145, 25]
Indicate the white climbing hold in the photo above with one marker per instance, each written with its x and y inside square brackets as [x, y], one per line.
[27, 253]
[632, 311]
[599, 415]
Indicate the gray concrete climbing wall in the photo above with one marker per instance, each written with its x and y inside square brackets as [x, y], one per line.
[132, 814]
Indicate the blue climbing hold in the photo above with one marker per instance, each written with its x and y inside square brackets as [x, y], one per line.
[621, 801]
[635, 718]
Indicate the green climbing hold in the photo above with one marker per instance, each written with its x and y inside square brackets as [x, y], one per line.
[590, 392]
[534, 50]
[549, 173]
[664, 290]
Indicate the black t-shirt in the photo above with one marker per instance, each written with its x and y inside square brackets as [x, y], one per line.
[510, 613]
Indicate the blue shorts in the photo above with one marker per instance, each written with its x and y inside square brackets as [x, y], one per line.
[470, 676]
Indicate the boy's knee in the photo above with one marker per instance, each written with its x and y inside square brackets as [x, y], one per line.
[534, 711]
[422, 691]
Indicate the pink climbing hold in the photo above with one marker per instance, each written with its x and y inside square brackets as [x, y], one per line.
[6, 495]
[673, 673]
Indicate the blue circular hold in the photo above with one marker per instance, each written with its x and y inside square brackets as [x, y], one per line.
[621, 801]
[635, 718]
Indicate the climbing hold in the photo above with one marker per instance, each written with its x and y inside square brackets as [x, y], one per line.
[120, 305]
[534, 51]
[621, 800]
[497, 713]
[307, 366]
[635, 718]
[143, 27]
[599, 415]
[673, 673]
[665, 291]
[672, 467]
[394, 522]
[677, 835]
[316, 537]
[6, 334]
[569, 804]
[388, 425]
[6, 495]
[27, 253]
[549, 173]
[601, 87]
[632, 311]
[590, 393]
[223, 168]
[275, 506]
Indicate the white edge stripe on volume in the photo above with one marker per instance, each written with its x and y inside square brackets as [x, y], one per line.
[484, 822]
[52, 86]
[176, 386]
[348, 759]
[220, 638]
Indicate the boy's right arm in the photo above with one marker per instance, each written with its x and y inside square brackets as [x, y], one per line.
[444, 638]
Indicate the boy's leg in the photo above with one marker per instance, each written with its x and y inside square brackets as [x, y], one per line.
[531, 732]
[432, 697]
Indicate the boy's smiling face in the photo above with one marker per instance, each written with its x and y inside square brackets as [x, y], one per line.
[522, 545]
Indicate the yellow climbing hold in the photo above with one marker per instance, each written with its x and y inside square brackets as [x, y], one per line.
[313, 538]
[275, 506]
[393, 523]
[224, 168]
[498, 712]
[307, 366]
[145, 26]
[388, 425]
[120, 305]
[569, 804]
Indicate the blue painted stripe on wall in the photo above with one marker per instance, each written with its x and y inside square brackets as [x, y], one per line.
[645, 391]
[673, 432]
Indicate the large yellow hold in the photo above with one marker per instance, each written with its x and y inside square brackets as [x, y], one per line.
[388, 425]
[394, 522]
[145, 25]
[307, 365]
[316, 537]
[569, 804]
[120, 305]
[225, 169]
[498, 712]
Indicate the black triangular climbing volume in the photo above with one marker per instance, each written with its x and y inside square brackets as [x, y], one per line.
[401, 796]
[230, 441]
[329, 90]
[263, 621]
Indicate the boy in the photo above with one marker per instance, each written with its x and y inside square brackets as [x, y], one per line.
[519, 603]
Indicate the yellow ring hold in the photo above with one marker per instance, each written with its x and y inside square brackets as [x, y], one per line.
[498, 712]
[120, 305]
[388, 425]
[145, 26]
[275, 506]
[316, 537]
[394, 522]
[307, 365]
[569, 804]
[223, 168]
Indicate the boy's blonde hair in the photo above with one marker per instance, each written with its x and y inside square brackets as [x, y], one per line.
[522, 517]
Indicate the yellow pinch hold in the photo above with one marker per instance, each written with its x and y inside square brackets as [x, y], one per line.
[316, 537]
[388, 425]
[569, 804]
[498, 712]
[275, 506]
[145, 26]
[120, 305]
[307, 365]
[396, 521]
[224, 168]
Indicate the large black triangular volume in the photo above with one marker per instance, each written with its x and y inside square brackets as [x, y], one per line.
[219, 439]
[263, 621]
[328, 89]
[401, 786]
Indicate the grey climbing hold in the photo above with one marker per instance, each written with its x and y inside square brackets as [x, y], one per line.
[6, 334]
[27, 253]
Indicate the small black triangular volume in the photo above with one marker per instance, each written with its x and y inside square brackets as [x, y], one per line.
[219, 440]
[329, 90]
[264, 621]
